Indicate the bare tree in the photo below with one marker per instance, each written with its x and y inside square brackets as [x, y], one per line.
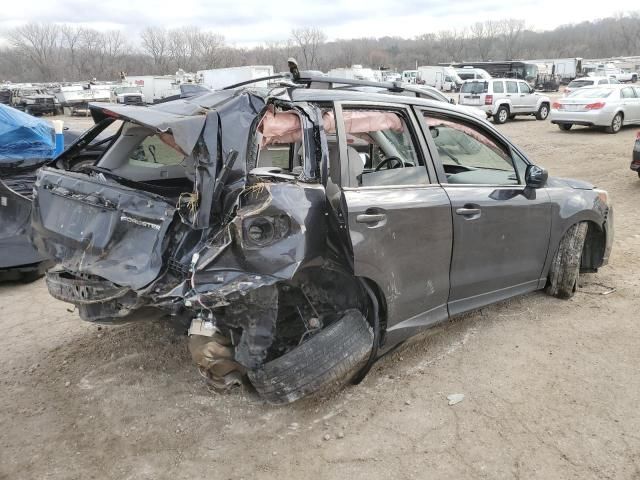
[212, 51]
[71, 39]
[511, 33]
[39, 43]
[308, 40]
[452, 43]
[483, 35]
[154, 43]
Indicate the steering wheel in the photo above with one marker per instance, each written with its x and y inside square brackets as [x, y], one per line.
[389, 160]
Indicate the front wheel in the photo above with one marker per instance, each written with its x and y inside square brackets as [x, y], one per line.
[616, 124]
[501, 116]
[565, 268]
[565, 126]
[543, 112]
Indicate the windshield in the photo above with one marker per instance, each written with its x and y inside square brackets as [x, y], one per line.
[591, 93]
[530, 71]
[580, 83]
[127, 90]
[474, 87]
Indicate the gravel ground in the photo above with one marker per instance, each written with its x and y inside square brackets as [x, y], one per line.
[551, 386]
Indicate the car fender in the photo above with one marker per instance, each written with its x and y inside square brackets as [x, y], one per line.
[501, 102]
[582, 206]
[542, 100]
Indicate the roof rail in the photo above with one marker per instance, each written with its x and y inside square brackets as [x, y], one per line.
[306, 81]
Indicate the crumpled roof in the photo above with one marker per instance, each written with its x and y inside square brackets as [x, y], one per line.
[185, 119]
[24, 137]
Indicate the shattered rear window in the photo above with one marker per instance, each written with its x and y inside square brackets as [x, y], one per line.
[154, 152]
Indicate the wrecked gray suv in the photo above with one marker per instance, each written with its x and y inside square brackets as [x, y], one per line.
[302, 231]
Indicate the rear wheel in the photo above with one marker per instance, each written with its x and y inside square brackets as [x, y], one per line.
[543, 112]
[616, 124]
[501, 116]
[565, 268]
[329, 358]
[634, 79]
[565, 126]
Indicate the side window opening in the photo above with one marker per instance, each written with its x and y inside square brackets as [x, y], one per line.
[382, 149]
[470, 156]
[498, 87]
[280, 142]
[512, 87]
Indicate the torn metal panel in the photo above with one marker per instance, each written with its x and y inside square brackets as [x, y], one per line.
[95, 226]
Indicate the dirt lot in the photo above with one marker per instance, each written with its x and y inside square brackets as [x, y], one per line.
[551, 387]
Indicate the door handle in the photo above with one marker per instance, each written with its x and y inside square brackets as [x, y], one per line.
[370, 217]
[468, 212]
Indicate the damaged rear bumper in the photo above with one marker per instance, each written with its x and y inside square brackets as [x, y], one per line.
[97, 299]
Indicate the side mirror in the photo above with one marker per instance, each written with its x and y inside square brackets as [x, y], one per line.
[535, 176]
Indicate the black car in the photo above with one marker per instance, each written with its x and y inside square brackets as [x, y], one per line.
[635, 161]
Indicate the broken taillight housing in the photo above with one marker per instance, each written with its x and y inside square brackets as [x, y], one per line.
[594, 106]
[488, 100]
[265, 230]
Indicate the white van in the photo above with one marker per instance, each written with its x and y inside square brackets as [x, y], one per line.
[470, 73]
[409, 76]
[442, 78]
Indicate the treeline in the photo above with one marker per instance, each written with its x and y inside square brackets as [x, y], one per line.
[51, 52]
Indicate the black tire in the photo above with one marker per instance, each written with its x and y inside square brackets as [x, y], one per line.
[565, 126]
[634, 79]
[329, 358]
[616, 123]
[565, 268]
[543, 112]
[501, 116]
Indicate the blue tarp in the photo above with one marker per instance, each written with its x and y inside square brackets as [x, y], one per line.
[23, 137]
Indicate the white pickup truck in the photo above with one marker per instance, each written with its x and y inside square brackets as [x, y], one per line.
[623, 76]
[611, 71]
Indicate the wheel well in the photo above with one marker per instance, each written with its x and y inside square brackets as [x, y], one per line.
[594, 247]
[382, 303]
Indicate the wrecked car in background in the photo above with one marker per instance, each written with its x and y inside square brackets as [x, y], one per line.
[303, 231]
[26, 143]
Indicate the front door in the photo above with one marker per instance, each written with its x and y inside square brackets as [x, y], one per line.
[399, 218]
[528, 99]
[500, 228]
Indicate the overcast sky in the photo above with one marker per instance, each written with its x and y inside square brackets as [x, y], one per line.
[251, 22]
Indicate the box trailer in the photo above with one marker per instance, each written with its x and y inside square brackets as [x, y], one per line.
[155, 87]
[218, 78]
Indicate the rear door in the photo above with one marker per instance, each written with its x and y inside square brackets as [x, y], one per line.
[631, 104]
[513, 94]
[398, 216]
[500, 228]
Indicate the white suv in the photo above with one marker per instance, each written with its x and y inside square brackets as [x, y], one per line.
[504, 98]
